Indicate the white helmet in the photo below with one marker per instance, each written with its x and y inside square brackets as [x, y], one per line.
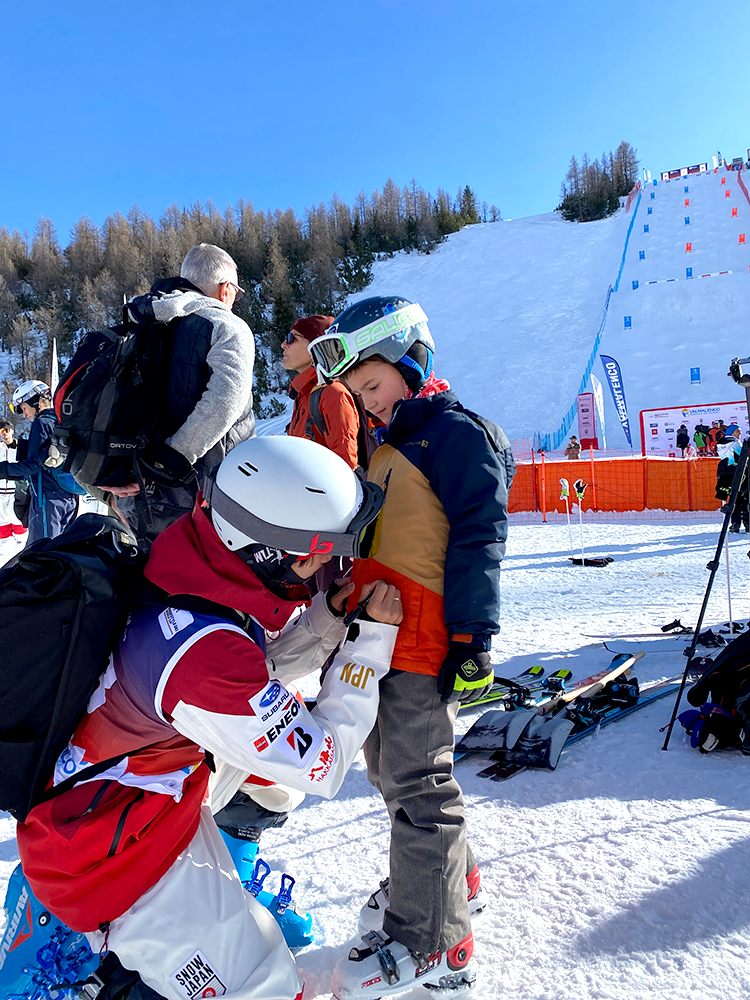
[293, 495]
[28, 391]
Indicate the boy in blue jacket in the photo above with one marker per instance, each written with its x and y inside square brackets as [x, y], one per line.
[446, 474]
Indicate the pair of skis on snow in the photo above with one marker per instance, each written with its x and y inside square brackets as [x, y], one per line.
[532, 730]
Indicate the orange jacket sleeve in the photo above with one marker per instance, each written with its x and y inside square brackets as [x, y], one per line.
[342, 422]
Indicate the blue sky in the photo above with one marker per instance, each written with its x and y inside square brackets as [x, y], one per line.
[285, 103]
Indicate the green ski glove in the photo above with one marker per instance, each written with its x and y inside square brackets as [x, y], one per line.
[466, 674]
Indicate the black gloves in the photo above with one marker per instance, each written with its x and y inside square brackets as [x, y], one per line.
[466, 674]
[166, 467]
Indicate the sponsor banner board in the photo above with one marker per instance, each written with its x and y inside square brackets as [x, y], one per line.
[659, 427]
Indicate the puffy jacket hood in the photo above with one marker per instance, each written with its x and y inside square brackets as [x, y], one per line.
[188, 557]
[172, 299]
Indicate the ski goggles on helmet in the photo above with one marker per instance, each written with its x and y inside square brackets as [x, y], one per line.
[357, 542]
[335, 352]
[26, 392]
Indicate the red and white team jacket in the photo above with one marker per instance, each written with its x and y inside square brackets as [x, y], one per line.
[179, 684]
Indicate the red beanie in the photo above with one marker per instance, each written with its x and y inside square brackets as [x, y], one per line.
[312, 327]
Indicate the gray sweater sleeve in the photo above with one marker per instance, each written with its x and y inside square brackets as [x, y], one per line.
[227, 395]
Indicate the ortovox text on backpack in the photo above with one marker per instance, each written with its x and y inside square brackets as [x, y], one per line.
[109, 404]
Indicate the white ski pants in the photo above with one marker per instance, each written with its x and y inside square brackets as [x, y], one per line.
[198, 933]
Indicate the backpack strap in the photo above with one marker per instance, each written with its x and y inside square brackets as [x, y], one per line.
[366, 442]
[146, 593]
[315, 411]
[495, 435]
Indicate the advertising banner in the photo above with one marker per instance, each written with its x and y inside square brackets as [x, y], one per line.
[587, 421]
[659, 427]
[612, 371]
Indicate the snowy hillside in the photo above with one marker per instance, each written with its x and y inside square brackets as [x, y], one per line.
[515, 306]
[691, 322]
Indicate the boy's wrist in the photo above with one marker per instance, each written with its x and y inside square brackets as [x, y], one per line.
[478, 640]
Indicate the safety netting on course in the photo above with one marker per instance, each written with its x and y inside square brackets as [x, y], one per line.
[619, 484]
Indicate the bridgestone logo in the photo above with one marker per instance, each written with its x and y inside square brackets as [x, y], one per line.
[10, 934]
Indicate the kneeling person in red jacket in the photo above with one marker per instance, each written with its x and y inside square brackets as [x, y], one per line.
[133, 856]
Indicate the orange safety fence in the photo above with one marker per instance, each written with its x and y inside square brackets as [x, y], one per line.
[637, 483]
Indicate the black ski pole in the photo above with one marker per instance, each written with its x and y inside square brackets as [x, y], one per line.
[741, 377]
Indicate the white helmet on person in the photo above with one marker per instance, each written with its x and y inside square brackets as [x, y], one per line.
[291, 495]
[29, 392]
[386, 326]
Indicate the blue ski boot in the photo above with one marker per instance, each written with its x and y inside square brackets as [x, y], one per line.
[252, 870]
[38, 952]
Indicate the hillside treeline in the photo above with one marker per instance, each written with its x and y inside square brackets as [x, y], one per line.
[289, 266]
[593, 189]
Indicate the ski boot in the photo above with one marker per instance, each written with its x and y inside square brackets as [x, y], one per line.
[371, 914]
[39, 953]
[384, 967]
[296, 927]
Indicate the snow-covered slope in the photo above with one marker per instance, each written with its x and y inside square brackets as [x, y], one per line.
[691, 322]
[515, 306]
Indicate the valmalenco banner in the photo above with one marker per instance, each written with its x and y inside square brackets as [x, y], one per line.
[612, 371]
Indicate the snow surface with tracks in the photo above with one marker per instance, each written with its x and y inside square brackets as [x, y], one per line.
[619, 876]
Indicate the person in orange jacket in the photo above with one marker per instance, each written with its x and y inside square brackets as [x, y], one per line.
[713, 437]
[340, 417]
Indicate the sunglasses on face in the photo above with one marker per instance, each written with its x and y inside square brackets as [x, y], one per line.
[290, 337]
[238, 291]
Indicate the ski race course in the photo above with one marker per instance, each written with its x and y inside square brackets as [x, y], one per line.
[622, 874]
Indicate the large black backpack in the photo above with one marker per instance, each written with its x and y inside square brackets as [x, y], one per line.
[109, 407]
[61, 614]
[722, 695]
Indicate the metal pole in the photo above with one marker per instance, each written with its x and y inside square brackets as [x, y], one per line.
[729, 587]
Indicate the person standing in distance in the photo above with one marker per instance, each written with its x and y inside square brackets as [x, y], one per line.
[10, 526]
[340, 417]
[52, 506]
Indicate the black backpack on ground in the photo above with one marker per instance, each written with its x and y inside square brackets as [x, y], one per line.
[109, 407]
[61, 613]
[722, 697]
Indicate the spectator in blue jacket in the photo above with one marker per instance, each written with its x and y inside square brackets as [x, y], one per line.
[52, 506]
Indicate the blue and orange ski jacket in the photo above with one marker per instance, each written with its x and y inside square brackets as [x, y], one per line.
[443, 527]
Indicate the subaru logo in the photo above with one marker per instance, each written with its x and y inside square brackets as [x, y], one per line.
[273, 692]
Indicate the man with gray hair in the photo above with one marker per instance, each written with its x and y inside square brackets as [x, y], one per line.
[208, 399]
